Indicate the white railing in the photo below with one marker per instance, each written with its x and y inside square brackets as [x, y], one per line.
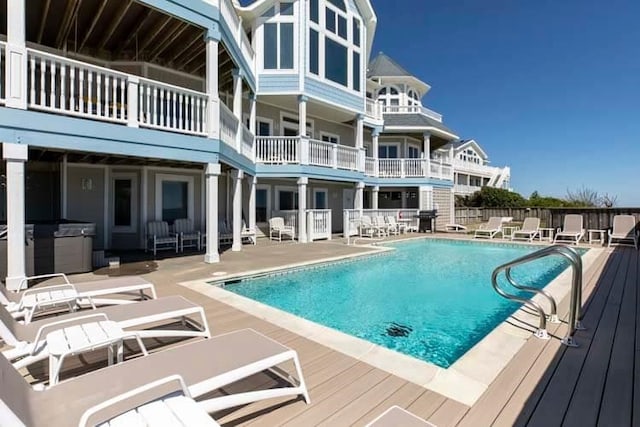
[62, 85]
[465, 189]
[390, 168]
[321, 153]
[347, 157]
[247, 142]
[277, 149]
[412, 109]
[370, 166]
[168, 107]
[234, 23]
[414, 167]
[441, 171]
[228, 125]
[318, 224]
[352, 218]
[373, 109]
[3, 57]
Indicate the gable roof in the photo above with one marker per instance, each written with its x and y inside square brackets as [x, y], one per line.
[464, 143]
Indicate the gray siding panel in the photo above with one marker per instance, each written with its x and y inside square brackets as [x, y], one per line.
[278, 83]
[330, 93]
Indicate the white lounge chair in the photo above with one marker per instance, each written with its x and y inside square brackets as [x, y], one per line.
[395, 225]
[29, 341]
[248, 233]
[455, 228]
[277, 229]
[398, 417]
[378, 221]
[159, 237]
[490, 229]
[530, 229]
[25, 304]
[624, 230]
[204, 366]
[572, 230]
[368, 228]
[186, 232]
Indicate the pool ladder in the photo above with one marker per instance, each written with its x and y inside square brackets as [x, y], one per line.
[575, 305]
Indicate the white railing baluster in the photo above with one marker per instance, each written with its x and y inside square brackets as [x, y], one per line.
[89, 92]
[32, 91]
[99, 92]
[52, 84]
[72, 88]
[114, 94]
[43, 72]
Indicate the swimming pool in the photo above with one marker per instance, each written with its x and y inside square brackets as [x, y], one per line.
[430, 299]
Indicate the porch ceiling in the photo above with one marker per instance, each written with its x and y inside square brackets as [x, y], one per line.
[114, 30]
[314, 108]
[43, 155]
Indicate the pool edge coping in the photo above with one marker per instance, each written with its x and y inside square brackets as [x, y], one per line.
[464, 381]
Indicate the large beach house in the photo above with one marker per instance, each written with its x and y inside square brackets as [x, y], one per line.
[119, 113]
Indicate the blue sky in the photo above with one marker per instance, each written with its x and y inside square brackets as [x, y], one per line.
[549, 87]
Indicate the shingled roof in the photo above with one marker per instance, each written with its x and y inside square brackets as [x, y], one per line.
[383, 66]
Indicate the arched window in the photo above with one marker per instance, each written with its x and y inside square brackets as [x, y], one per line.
[413, 98]
[389, 95]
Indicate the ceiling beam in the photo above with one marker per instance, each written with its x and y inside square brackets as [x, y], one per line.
[67, 20]
[141, 21]
[114, 24]
[153, 34]
[94, 22]
[188, 46]
[43, 21]
[170, 38]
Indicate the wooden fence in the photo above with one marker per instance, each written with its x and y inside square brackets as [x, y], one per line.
[594, 218]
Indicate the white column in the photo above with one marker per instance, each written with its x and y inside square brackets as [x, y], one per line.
[213, 112]
[359, 199]
[15, 155]
[252, 202]
[252, 113]
[16, 56]
[302, 115]
[237, 106]
[426, 150]
[374, 197]
[374, 147]
[237, 210]
[360, 141]
[403, 200]
[302, 209]
[212, 172]
[451, 154]
[64, 174]
[133, 84]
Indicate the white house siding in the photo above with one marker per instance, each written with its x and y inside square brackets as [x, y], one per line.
[443, 198]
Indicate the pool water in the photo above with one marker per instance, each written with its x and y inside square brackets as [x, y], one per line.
[430, 299]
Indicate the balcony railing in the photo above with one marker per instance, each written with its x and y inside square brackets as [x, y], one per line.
[65, 86]
[407, 168]
[412, 109]
[297, 150]
[235, 24]
[374, 109]
[465, 189]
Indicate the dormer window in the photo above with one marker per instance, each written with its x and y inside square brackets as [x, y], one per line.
[389, 95]
[279, 37]
[335, 51]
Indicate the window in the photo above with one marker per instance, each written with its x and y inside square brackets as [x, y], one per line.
[320, 199]
[174, 197]
[314, 52]
[328, 137]
[413, 152]
[388, 151]
[278, 37]
[335, 65]
[287, 200]
[290, 126]
[336, 33]
[264, 128]
[413, 98]
[262, 204]
[389, 95]
[125, 202]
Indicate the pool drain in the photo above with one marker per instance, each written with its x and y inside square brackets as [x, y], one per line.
[397, 330]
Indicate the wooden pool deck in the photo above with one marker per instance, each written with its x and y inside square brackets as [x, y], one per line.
[545, 384]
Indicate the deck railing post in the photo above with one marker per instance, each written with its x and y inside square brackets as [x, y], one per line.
[133, 86]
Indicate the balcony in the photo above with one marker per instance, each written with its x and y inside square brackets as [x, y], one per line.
[374, 109]
[68, 87]
[285, 150]
[465, 190]
[412, 109]
[407, 168]
[235, 25]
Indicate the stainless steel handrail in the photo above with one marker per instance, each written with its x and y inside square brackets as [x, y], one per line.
[575, 306]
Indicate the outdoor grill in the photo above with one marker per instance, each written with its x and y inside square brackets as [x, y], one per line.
[427, 220]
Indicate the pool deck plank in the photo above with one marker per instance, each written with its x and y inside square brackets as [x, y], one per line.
[545, 384]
